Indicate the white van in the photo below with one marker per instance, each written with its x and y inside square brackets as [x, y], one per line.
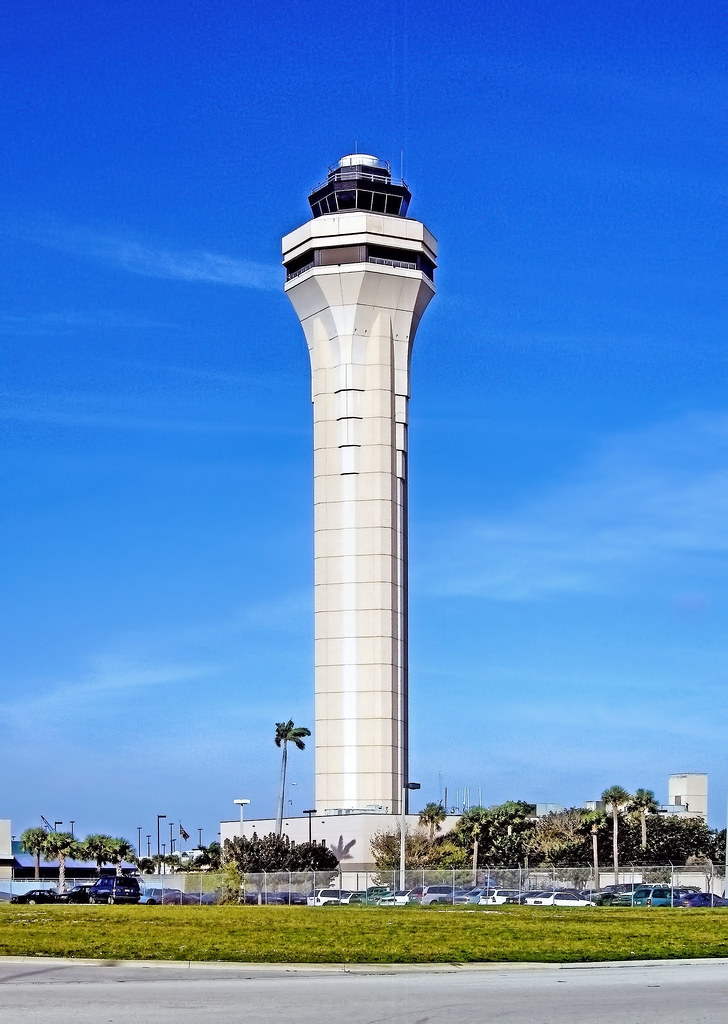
[319, 897]
[496, 896]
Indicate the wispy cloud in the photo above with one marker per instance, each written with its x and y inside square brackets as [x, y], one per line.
[68, 322]
[129, 413]
[106, 677]
[646, 500]
[149, 260]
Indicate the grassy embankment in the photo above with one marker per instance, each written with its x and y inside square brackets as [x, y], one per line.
[362, 934]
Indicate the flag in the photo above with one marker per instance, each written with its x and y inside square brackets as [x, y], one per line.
[185, 835]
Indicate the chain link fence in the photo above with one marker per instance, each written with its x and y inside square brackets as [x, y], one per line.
[292, 888]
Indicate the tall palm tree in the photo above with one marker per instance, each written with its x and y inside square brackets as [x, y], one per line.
[432, 815]
[31, 841]
[97, 848]
[118, 850]
[287, 732]
[59, 846]
[643, 803]
[594, 820]
[615, 797]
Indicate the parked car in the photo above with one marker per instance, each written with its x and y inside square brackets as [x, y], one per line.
[359, 896]
[475, 895]
[399, 898]
[320, 897]
[652, 896]
[151, 896]
[436, 894]
[265, 899]
[179, 898]
[494, 897]
[702, 899]
[521, 897]
[557, 899]
[35, 896]
[78, 894]
[604, 899]
[374, 893]
[115, 889]
[290, 898]
[210, 899]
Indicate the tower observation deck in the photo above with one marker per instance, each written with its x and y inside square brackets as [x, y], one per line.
[360, 274]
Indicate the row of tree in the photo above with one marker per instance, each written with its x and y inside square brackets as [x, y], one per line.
[510, 834]
[103, 849]
[63, 846]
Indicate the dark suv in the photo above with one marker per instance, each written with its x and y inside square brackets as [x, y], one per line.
[114, 889]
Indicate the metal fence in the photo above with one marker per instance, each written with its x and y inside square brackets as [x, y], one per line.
[290, 886]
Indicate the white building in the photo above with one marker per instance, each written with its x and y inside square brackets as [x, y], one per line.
[348, 834]
[688, 794]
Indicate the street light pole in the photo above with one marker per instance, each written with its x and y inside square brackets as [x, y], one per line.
[159, 852]
[73, 822]
[149, 846]
[139, 840]
[199, 838]
[241, 804]
[403, 830]
[309, 813]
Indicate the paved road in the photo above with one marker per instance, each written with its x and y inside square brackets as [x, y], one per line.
[56, 992]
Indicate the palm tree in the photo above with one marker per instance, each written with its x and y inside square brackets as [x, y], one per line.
[97, 848]
[432, 815]
[594, 820]
[118, 850]
[60, 846]
[615, 797]
[31, 841]
[643, 803]
[287, 732]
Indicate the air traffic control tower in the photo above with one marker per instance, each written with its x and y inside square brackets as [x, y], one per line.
[360, 275]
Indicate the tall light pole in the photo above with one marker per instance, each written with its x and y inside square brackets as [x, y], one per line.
[403, 829]
[199, 838]
[73, 822]
[309, 813]
[241, 804]
[171, 838]
[149, 846]
[159, 852]
[139, 840]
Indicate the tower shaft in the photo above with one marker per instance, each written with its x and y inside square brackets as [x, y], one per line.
[359, 311]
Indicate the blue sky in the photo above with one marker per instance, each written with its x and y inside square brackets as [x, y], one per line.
[569, 425]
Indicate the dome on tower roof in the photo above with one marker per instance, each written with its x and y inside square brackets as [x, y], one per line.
[362, 160]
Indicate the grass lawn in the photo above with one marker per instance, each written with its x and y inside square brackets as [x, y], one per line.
[362, 934]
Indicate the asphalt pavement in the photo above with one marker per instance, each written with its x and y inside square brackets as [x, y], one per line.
[39, 991]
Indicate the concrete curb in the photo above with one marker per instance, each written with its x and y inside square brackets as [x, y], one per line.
[379, 969]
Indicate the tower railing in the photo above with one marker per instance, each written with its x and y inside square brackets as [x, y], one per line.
[356, 174]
